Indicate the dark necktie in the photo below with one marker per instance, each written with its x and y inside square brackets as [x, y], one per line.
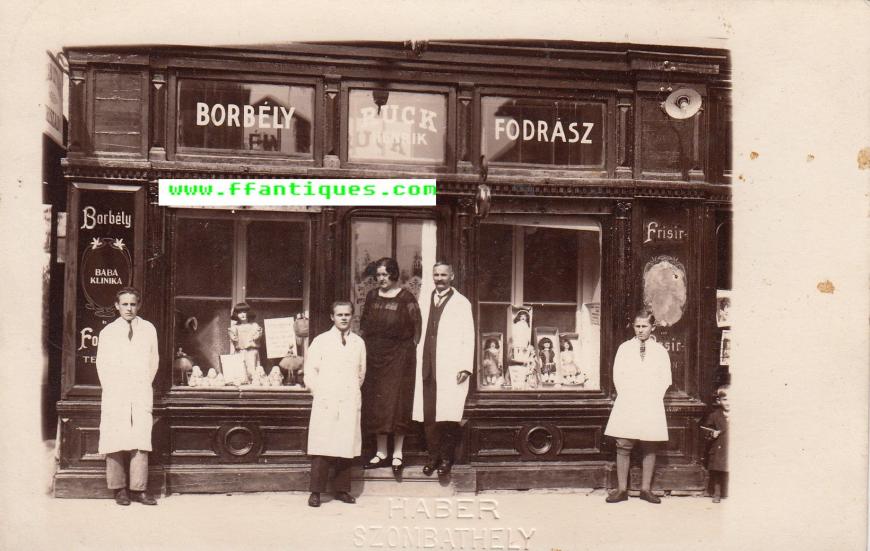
[642, 350]
[343, 341]
[130, 334]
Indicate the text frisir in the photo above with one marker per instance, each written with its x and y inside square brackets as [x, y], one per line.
[459, 536]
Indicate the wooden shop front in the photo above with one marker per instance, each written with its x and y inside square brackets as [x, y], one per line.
[565, 189]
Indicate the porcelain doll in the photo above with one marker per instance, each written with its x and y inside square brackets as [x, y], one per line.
[532, 364]
[245, 335]
[491, 360]
[521, 335]
[195, 377]
[211, 378]
[571, 371]
[275, 377]
[547, 356]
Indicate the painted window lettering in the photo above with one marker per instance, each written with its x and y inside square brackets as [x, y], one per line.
[541, 131]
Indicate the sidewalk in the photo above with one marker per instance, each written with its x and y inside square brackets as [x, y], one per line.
[534, 520]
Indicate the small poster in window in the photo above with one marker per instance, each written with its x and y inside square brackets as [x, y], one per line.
[723, 308]
[594, 309]
[725, 348]
[280, 337]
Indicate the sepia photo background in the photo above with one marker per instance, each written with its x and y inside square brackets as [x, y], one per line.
[801, 94]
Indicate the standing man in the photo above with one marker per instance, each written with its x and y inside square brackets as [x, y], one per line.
[334, 372]
[445, 360]
[127, 359]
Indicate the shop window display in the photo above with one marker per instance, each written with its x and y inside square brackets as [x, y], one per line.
[539, 304]
[237, 309]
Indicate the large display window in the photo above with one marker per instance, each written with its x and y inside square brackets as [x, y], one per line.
[539, 308]
[240, 301]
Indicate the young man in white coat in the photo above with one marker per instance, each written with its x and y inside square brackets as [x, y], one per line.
[335, 368]
[445, 360]
[641, 376]
[127, 360]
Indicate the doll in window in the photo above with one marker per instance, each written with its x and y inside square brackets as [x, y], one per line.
[245, 335]
[491, 361]
[521, 335]
[547, 357]
[570, 370]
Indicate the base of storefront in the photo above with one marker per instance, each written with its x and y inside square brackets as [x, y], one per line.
[465, 479]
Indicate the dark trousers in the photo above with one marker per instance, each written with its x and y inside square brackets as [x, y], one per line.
[440, 435]
[320, 473]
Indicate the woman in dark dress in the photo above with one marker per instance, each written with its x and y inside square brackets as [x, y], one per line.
[390, 326]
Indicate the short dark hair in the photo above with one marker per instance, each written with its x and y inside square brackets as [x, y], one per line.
[488, 342]
[522, 312]
[545, 340]
[390, 265]
[568, 342]
[128, 291]
[645, 313]
[243, 307]
[340, 303]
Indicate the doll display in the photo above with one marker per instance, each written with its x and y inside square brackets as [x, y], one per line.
[245, 335]
[521, 332]
[571, 374]
[259, 378]
[547, 357]
[492, 361]
[532, 378]
[275, 377]
[196, 377]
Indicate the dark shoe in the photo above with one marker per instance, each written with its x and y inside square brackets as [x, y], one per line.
[314, 499]
[143, 498]
[444, 467]
[616, 497]
[398, 465]
[646, 495]
[429, 468]
[375, 462]
[121, 497]
[344, 496]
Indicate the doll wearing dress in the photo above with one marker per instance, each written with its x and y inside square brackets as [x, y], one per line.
[548, 361]
[491, 360]
[245, 335]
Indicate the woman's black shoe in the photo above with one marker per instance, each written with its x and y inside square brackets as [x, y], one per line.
[444, 467]
[429, 468]
[397, 468]
[376, 462]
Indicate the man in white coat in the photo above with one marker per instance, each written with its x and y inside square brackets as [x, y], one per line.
[335, 368]
[445, 360]
[127, 360]
[641, 376]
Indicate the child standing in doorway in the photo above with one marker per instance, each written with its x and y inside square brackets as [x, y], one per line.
[716, 426]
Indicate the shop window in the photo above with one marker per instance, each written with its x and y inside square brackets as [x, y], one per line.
[220, 262]
[539, 304]
[392, 126]
[411, 241]
[542, 131]
[236, 116]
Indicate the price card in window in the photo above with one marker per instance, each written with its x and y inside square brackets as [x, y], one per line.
[280, 337]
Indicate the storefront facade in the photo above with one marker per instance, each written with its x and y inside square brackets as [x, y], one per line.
[565, 190]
